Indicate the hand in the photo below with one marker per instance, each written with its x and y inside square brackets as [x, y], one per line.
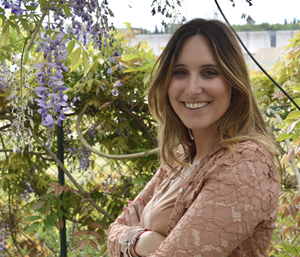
[133, 213]
[148, 243]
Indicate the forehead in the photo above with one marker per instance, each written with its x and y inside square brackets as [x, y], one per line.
[196, 49]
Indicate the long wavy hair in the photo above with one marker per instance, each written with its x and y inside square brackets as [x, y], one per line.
[242, 121]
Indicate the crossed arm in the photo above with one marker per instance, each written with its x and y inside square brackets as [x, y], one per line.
[132, 216]
[234, 201]
[130, 219]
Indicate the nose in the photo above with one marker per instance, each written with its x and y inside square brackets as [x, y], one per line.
[193, 86]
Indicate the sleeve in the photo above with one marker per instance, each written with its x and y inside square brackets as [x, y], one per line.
[117, 232]
[234, 201]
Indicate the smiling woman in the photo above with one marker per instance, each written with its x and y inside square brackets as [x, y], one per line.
[198, 92]
[216, 192]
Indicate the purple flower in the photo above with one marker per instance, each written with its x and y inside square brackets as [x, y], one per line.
[48, 121]
[119, 68]
[114, 92]
[109, 71]
[49, 78]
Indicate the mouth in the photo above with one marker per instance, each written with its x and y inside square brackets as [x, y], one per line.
[194, 106]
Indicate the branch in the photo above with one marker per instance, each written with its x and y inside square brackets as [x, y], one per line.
[5, 151]
[108, 156]
[38, 27]
[33, 153]
[138, 121]
[81, 190]
[289, 147]
[5, 117]
[5, 127]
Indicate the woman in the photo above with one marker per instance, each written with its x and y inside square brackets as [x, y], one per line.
[217, 193]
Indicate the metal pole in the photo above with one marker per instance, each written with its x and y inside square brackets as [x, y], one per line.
[61, 179]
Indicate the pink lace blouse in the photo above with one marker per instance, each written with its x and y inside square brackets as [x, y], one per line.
[226, 207]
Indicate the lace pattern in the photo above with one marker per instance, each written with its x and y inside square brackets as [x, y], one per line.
[228, 206]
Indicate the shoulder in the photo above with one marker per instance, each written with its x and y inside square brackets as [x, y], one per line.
[249, 163]
[247, 151]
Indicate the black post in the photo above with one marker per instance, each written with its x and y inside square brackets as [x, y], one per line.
[61, 179]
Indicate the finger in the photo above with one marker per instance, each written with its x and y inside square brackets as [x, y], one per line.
[133, 214]
[141, 206]
[122, 220]
[127, 217]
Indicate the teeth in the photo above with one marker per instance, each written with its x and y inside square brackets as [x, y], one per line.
[196, 105]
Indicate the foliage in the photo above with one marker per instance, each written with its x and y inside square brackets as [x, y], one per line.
[286, 240]
[282, 117]
[120, 121]
[47, 67]
[266, 26]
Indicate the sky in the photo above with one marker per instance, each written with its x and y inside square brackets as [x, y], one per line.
[271, 11]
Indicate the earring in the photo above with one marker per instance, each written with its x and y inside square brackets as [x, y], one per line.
[191, 134]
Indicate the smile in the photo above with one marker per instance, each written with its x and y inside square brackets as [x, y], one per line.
[196, 105]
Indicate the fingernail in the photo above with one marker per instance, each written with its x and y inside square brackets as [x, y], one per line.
[139, 199]
[121, 220]
[129, 202]
[124, 208]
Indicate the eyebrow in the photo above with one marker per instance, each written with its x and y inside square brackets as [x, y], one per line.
[203, 66]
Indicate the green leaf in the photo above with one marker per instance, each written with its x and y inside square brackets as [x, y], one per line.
[140, 180]
[297, 101]
[283, 136]
[297, 248]
[70, 47]
[37, 205]
[5, 32]
[2, 17]
[289, 249]
[60, 213]
[149, 54]
[32, 227]
[53, 217]
[86, 64]
[137, 187]
[31, 8]
[7, 48]
[2, 59]
[293, 115]
[33, 218]
[47, 208]
[296, 87]
[103, 250]
[76, 56]
[25, 25]
[48, 224]
[67, 10]
[130, 57]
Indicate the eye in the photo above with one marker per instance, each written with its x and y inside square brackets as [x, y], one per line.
[180, 73]
[210, 73]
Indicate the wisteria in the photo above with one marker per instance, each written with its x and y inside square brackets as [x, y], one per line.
[3, 237]
[89, 23]
[51, 87]
[27, 190]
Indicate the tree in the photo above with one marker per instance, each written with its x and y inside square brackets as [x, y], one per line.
[82, 75]
[74, 77]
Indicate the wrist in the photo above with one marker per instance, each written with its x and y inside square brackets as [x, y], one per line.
[134, 241]
[144, 248]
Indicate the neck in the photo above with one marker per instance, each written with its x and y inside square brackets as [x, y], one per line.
[204, 142]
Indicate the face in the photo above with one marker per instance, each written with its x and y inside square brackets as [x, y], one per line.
[198, 92]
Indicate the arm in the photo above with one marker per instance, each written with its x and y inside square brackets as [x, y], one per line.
[116, 229]
[227, 211]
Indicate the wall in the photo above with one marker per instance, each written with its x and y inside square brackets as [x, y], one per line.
[253, 40]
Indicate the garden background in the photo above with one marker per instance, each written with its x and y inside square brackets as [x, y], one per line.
[72, 87]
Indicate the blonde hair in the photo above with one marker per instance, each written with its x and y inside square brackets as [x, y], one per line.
[242, 121]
